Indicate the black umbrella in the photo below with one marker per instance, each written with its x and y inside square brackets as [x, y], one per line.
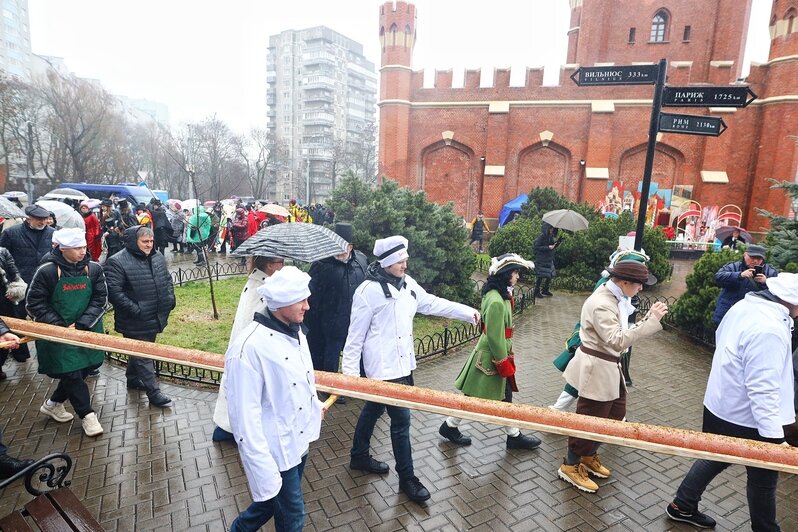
[296, 240]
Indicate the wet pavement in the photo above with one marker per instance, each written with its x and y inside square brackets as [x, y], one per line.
[157, 469]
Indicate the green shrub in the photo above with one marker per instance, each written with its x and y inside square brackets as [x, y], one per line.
[583, 254]
[439, 259]
[696, 305]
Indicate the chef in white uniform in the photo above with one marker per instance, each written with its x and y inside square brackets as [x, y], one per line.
[272, 402]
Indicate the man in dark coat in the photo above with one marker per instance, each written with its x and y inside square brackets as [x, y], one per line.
[140, 289]
[739, 277]
[28, 242]
[332, 285]
[545, 244]
[160, 225]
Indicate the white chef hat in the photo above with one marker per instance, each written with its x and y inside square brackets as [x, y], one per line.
[391, 250]
[285, 287]
[70, 237]
[784, 286]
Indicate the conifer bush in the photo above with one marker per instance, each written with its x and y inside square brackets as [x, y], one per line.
[440, 260]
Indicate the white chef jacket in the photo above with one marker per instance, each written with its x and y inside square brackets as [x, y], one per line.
[249, 303]
[751, 381]
[274, 410]
[381, 328]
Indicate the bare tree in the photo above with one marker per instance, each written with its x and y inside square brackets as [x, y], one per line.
[262, 153]
[78, 111]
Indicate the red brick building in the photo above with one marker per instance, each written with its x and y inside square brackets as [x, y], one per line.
[480, 147]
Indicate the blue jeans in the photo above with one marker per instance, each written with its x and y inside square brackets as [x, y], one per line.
[400, 432]
[288, 507]
[760, 487]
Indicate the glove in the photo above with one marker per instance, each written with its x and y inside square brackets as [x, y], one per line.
[506, 366]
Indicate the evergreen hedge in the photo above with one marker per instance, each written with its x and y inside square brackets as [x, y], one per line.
[440, 260]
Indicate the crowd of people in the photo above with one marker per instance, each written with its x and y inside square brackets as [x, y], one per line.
[356, 317]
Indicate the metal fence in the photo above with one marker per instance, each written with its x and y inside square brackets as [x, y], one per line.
[696, 332]
[218, 270]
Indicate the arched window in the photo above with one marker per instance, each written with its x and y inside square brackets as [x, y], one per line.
[659, 27]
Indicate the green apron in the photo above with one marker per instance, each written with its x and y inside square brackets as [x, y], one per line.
[70, 299]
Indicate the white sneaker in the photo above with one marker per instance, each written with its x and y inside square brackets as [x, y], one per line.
[57, 412]
[564, 401]
[91, 426]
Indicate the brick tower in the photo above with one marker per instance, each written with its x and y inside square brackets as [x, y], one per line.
[776, 81]
[710, 33]
[397, 38]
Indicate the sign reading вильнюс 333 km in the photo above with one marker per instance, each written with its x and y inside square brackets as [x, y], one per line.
[615, 75]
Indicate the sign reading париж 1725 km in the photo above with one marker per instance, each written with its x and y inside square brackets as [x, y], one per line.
[707, 96]
[691, 124]
[615, 75]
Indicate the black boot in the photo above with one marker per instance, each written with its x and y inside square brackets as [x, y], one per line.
[414, 489]
[545, 292]
[10, 466]
[522, 442]
[537, 293]
[454, 435]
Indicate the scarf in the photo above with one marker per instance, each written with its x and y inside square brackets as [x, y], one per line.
[625, 307]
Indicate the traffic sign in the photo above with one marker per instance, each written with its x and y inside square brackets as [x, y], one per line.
[691, 124]
[615, 75]
[707, 96]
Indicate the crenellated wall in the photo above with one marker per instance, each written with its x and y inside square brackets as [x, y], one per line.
[479, 147]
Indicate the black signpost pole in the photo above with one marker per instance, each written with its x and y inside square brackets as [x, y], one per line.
[653, 128]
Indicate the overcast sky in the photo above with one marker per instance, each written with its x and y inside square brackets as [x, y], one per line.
[201, 57]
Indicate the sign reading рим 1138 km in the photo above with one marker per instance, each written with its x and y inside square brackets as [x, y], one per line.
[691, 124]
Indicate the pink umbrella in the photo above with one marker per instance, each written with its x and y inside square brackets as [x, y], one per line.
[725, 231]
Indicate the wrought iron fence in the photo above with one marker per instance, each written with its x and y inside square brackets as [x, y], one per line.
[200, 273]
[696, 331]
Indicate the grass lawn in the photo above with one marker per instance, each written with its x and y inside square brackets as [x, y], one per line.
[191, 324]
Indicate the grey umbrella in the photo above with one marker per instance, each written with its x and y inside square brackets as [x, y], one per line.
[725, 231]
[9, 210]
[296, 240]
[566, 219]
[65, 193]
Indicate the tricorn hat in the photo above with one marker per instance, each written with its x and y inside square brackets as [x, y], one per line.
[508, 262]
[632, 270]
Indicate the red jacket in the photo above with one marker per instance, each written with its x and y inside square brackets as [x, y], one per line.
[93, 236]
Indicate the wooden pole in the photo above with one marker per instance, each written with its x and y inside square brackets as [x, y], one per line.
[651, 438]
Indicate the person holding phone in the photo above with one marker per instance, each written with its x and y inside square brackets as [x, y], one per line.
[739, 277]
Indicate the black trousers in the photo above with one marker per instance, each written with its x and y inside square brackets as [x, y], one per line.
[72, 387]
[142, 369]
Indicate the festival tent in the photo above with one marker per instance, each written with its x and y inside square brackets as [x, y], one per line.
[510, 207]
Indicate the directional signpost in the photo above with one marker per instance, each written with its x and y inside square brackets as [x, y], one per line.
[707, 96]
[691, 124]
[697, 96]
[615, 75]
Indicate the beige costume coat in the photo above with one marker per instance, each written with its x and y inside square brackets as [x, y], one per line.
[602, 330]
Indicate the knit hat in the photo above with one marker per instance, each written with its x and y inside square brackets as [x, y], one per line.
[70, 237]
[285, 287]
[344, 230]
[632, 270]
[391, 250]
[784, 286]
[507, 262]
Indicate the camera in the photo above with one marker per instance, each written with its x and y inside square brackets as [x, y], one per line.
[759, 269]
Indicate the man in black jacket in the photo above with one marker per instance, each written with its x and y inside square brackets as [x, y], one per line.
[332, 285]
[140, 289]
[28, 242]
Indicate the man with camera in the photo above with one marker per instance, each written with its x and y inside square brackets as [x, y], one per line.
[740, 277]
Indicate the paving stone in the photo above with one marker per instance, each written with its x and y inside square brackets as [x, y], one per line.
[157, 469]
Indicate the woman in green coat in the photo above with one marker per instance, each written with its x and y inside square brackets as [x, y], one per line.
[489, 372]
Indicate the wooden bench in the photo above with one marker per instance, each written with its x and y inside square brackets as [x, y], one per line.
[55, 510]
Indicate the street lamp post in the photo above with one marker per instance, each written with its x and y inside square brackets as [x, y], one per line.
[29, 163]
